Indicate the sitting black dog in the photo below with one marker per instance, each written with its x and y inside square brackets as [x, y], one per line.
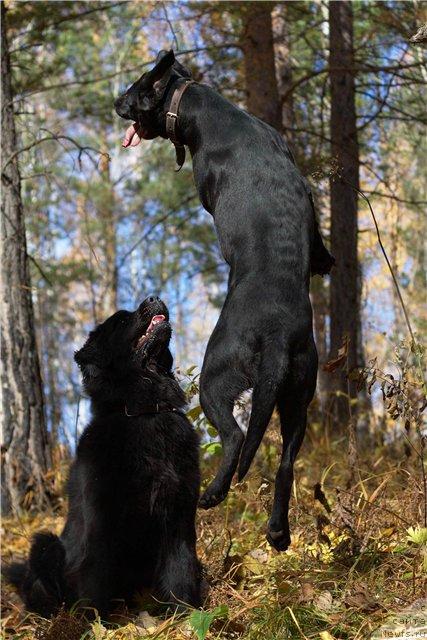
[134, 486]
[264, 216]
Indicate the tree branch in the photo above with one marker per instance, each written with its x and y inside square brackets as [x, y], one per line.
[57, 138]
[355, 69]
[70, 16]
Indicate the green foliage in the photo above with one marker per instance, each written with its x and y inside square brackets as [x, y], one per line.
[211, 448]
[417, 535]
[200, 621]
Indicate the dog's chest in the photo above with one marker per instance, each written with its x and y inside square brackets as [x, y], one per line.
[130, 458]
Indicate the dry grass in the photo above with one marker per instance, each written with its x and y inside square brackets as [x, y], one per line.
[350, 563]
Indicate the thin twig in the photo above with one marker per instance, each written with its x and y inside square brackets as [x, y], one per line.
[145, 235]
[42, 273]
[57, 138]
[396, 284]
[175, 39]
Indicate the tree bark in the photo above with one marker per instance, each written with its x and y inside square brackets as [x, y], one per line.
[107, 217]
[284, 70]
[25, 442]
[344, 287]
[260, 74]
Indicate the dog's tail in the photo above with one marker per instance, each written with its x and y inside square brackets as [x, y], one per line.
[15, 574]
[272, 372]
[40, 580]
[321, 261]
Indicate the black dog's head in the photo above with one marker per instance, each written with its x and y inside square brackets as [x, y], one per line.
[143, 102]
[125, 356]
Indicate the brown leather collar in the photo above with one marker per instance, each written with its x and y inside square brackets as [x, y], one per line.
[171, 122]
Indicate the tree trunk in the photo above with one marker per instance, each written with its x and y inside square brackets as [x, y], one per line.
[25, 442]
[345, 292]
[260, 73]
[319, 301]
[107, 217]
[284, 70]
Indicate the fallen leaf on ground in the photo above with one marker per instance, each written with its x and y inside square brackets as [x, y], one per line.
[324, 601]
[307, 592]
[145, 622]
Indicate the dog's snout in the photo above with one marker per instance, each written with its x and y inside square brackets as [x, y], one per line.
[153, 305]
[121, 107]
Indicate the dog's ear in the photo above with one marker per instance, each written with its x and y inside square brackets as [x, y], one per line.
[166, 361]
[181, 69]
[84, 358]
[159, 75]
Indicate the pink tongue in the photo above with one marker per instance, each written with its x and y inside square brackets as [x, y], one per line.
[133, 135]
[155, 320]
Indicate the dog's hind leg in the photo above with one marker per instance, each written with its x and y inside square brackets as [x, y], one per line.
[272, 371]
[293, 405]
[94, 583]
[178, 574]
[218, 391]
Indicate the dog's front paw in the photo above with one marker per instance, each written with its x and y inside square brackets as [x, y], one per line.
[210, 499]
[279, 540]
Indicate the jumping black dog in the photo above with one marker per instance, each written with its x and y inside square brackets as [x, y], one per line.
[265, 220]
[134, 486]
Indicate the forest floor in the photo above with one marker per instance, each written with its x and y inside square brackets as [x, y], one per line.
[354, 561]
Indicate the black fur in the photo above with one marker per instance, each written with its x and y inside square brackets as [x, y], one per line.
[265, 220]
[134, 486]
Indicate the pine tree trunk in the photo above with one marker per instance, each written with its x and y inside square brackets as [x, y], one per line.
[344, 287]
[107, 217]
[260, 73]
[284, 70]
[319, 301]
[25, 443]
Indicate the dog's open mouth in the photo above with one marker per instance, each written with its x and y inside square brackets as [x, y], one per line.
[134, 134]
[154, 322]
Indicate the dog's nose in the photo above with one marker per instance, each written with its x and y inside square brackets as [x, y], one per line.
[152, 299]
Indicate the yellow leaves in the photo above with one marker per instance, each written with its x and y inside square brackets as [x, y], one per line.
[16, 542]
[143, 626]
[325, 635]
[255, 561]
[98, 630]
[417, 535]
